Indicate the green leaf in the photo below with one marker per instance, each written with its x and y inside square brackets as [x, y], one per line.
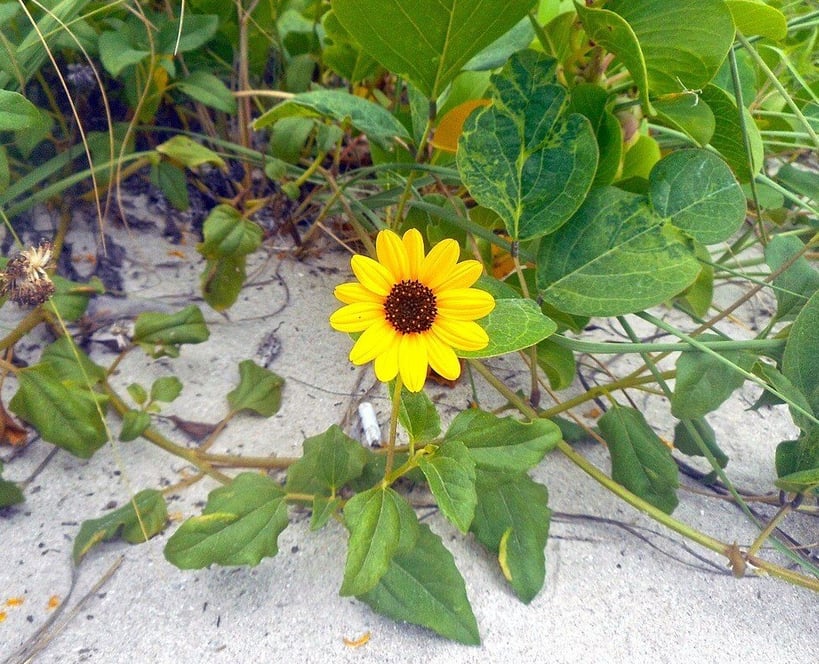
[10, 493]
[728, 138]
[803, 182]
[73, 366]
[800, 482]
[342, 54]
[137, 393]
[240, 525]
[703, 382]
[800, 361]
[696, 191]
[167, 330]
[683, 43]
[173, 183]
[189, 153]
[797, 283]
[557, 363]
[134, 423]
[614, 34]
[116, 54]
[797, 456]
[375, 519]
[140, 519]
[499, 51]
[503, 444]
[512, 325]
[591, 101]
[614, 256]
[330, 460]
[222, 281]
[228, 235]
[423, 586]
[62, 414]
[208, 89]
[513, 510]
[71, 298]
[197, 30]
[428, 41]
[419, 416]
[259, 390]
[380, 126]
[523, 156]
[788, 390]
[5, 172]
[683, 112]
[686, 443]
[17, 112]
[640, 461]
[166, 389]
[754, 17]
[450, 473]
[323, 511]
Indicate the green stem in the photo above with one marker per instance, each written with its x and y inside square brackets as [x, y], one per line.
[774, 81]
[699, 345]
[396, 404]
[617, 347]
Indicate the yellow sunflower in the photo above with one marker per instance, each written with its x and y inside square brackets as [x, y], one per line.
[413, 310]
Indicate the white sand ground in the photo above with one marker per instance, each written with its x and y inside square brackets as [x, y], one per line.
[610, 596]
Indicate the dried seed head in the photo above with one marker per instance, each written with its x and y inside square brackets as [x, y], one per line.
[25, 280]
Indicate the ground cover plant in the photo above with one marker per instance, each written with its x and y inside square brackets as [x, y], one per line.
[506, 179]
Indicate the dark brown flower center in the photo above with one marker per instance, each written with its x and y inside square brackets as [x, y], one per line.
[411, 307]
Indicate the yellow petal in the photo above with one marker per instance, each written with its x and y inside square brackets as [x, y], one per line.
[412, 361]
[374, 341]
[356, 317]
[386, 364]
[463, 275]
[439, 263]
[442, 358]
[372, 275]
[463, 335]
[354, 292]
[392, 254]
[414, 245]
[464, 303]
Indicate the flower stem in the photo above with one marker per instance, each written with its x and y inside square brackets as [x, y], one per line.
[396, 404]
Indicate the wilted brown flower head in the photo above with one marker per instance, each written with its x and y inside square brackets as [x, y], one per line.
[25, 280]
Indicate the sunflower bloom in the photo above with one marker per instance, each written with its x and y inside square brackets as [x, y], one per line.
[413, 311]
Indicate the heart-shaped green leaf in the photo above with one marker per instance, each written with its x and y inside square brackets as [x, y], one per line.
[523, 156]
[683, 43]
[697, 192]
[614, 256]
[427, 41]
[512, 325]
